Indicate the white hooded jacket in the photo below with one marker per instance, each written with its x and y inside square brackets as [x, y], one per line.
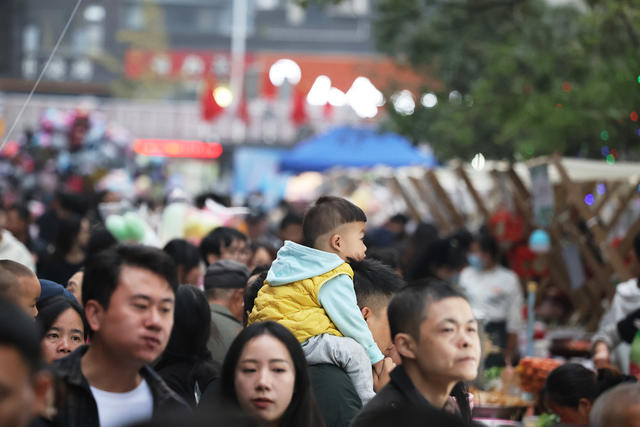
[626, 300]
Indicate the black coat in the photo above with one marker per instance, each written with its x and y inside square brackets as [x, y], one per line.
[399, 393]
[79, 408]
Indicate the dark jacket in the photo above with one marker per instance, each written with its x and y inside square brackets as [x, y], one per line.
[224, 329]
[183, 375]
[398, 393]
[79, 408]
[335, 394]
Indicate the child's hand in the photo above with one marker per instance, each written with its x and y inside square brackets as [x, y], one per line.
[381, 371]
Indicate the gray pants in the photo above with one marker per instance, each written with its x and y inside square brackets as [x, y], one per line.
[346, 353]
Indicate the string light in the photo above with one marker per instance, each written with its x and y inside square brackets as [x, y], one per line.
[610, 159]
[633, 116]
[604, 135]
[588, 199]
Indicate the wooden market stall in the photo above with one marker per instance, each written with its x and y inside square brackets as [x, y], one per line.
[591, 209]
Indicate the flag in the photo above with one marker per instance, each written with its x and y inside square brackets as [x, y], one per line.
[210, 109]
[299, 111]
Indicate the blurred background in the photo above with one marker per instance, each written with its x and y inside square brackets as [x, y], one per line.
[509, 79]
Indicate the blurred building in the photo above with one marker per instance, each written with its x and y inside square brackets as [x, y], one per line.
[150, 51]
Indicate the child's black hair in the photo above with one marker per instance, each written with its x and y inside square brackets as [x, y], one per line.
[326, 214]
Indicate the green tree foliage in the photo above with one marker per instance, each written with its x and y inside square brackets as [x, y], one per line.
[532, 76]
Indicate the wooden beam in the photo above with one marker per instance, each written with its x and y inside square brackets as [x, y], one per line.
[610, 191]
[515, 178]
[624, 202]
[474, 193]
[601, 278]
[591, 221]
[422, 189]
[413, 210]
[521, 204]
[627, 242]
[442, 195]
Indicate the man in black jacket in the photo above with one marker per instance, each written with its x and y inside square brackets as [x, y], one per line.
[435, 334]
[128, 294]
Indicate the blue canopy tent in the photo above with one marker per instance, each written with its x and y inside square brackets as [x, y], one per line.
[353, 147]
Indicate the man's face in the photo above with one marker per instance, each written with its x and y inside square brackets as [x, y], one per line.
[448, 349]
[292, 232]
[74, 285]
[15, 224]
[138, 322]
[378, 324]
[237, 251]
[351, 244]
[29, 294]
[17, 397]
[485, 258]
[84, 234]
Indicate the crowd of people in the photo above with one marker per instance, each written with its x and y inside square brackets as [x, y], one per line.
[319, 320]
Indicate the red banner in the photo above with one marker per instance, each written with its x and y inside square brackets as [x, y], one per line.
[177, 148]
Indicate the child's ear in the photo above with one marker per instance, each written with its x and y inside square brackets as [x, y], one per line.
[336, 242]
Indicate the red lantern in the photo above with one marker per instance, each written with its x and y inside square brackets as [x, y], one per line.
[299, 111]
[327, 111]
[269, 91]
[507, 227]
[210, 108]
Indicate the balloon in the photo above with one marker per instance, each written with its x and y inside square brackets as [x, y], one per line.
[539, 241]
[117, 226]
[135, 226]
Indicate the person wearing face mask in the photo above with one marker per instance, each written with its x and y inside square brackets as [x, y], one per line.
[265, 374]
[496, 297]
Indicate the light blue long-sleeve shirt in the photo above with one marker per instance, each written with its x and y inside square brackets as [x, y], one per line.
[337, 296]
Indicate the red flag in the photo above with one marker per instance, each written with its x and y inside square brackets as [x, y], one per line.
[209, 107]
[299, 111]
[269, 91]
[327, 111]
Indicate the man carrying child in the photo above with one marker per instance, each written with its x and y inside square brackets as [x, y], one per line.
[309, 289]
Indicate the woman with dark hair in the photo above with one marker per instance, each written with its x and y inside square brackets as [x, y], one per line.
[63, 327]
[99, 240]
[571, 389]
[265, 374]
[262, 253]
[69, 250]
[187, 258]
[254, 284]
[186, 364]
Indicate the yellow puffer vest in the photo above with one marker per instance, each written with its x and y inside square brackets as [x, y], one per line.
[296, 305]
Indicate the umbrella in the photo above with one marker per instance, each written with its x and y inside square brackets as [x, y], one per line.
[353, 147]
